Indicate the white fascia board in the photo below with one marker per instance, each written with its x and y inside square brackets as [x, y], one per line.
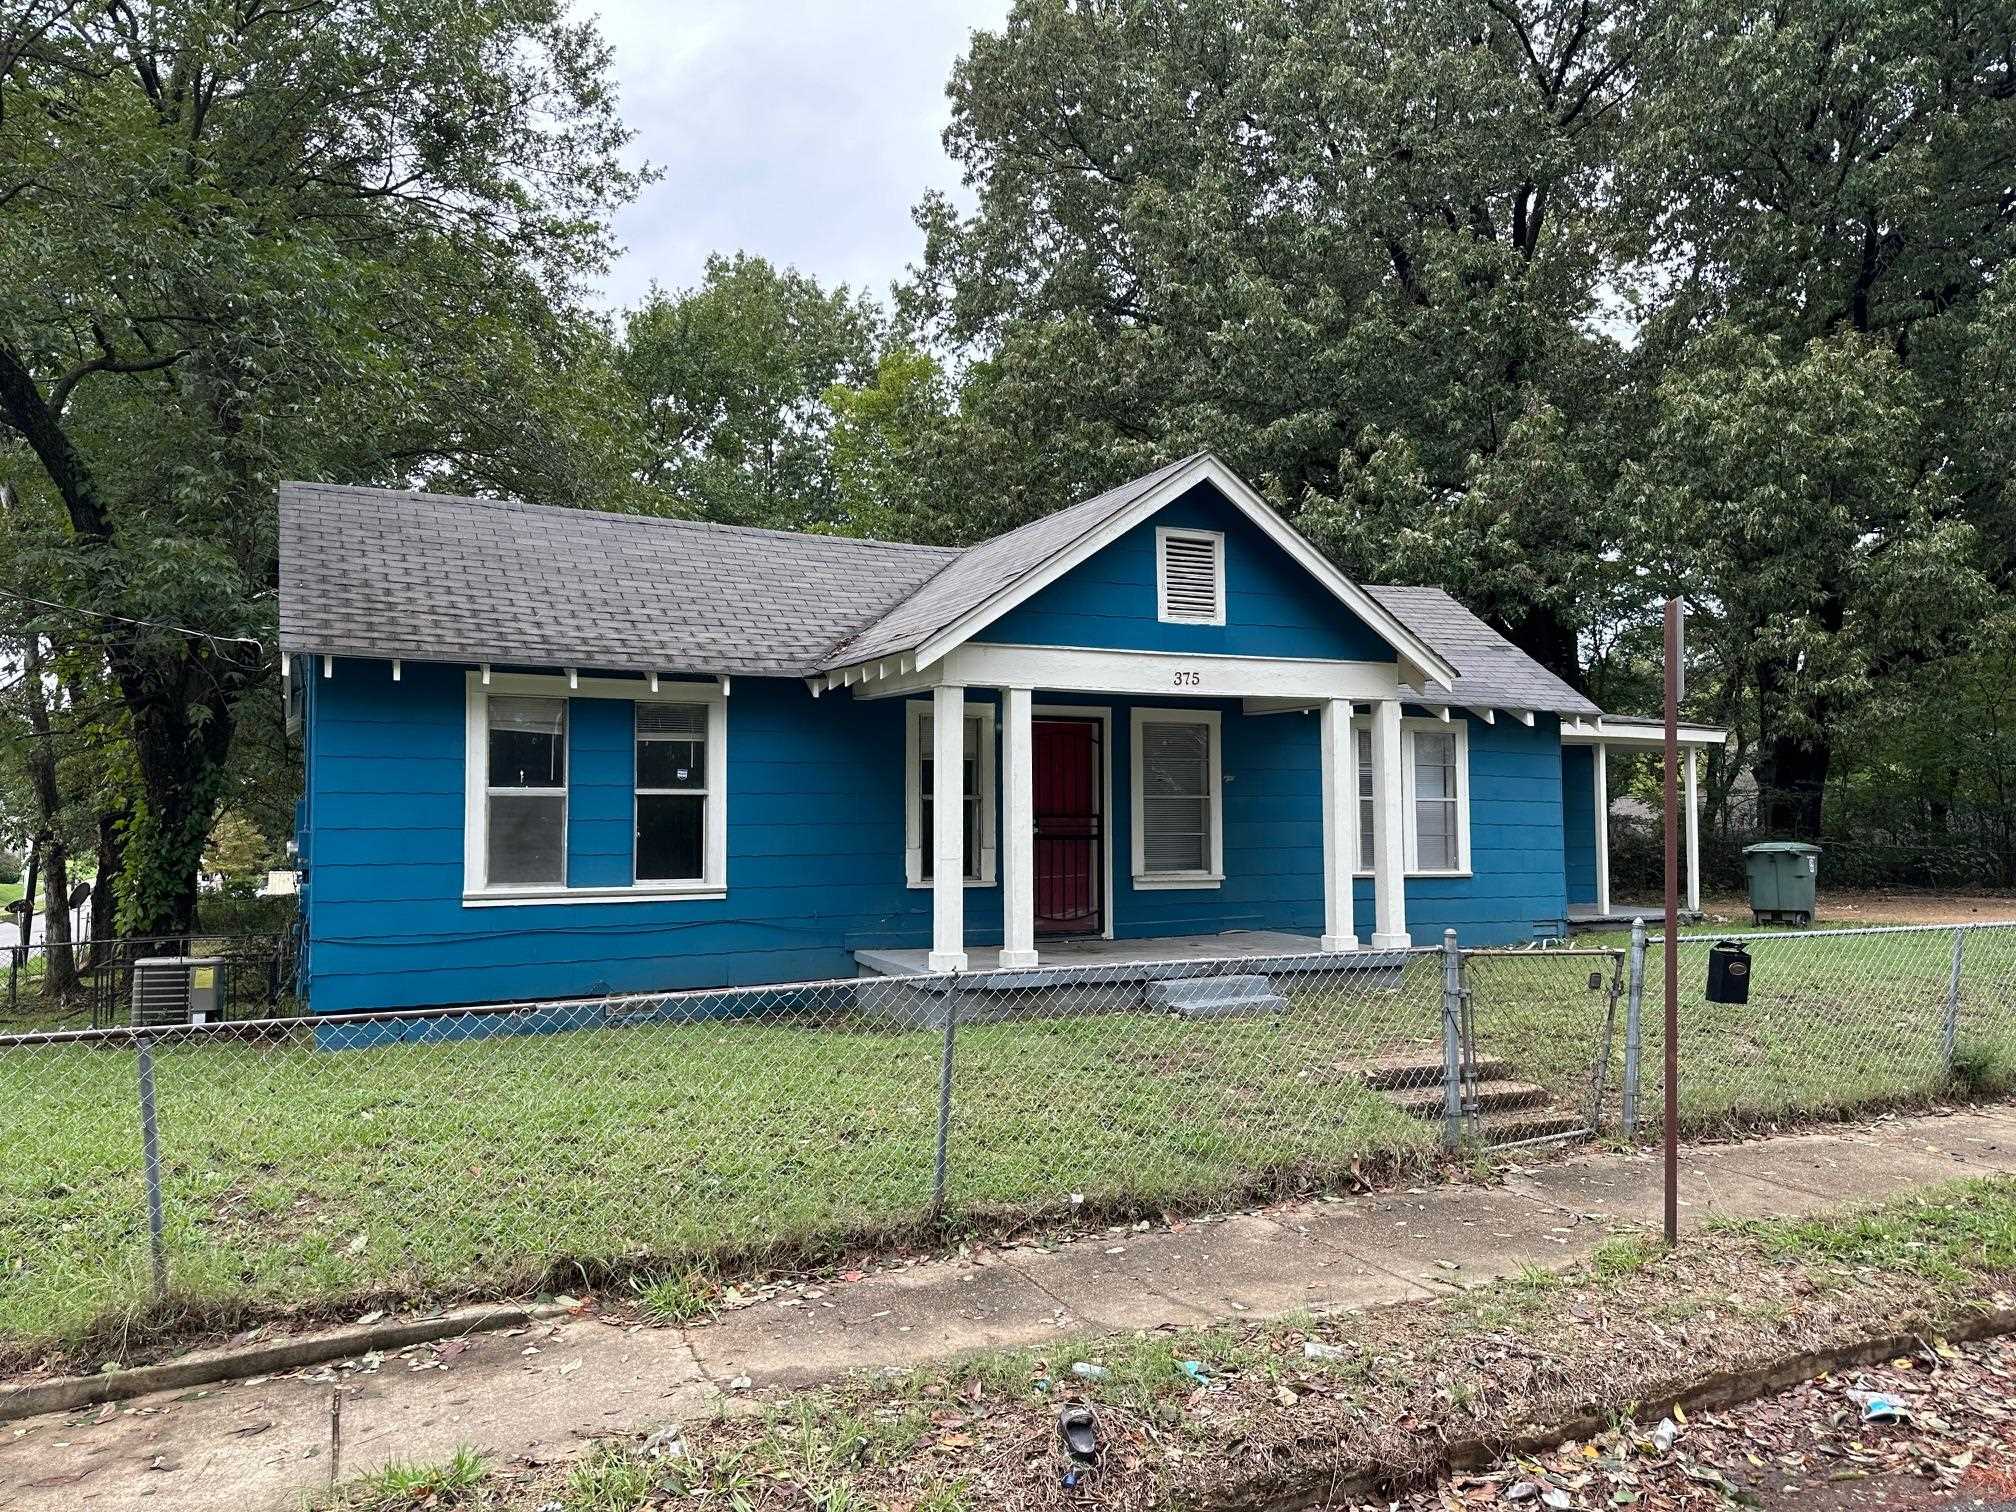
[1159, 674]
[1639, 737]
[1420, 657]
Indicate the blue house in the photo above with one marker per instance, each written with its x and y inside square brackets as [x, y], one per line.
[556, 754]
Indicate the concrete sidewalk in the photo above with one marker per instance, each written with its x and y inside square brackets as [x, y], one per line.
[544, 1391]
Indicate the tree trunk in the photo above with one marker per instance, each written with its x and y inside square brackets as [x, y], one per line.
[105, 892]
[59, 974]
[1793, 776]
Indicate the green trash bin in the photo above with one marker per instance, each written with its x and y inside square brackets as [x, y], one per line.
[1784, 875]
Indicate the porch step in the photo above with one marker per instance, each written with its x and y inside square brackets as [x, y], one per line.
[1491, 1097]
[1216, 997]
[1389, 1073]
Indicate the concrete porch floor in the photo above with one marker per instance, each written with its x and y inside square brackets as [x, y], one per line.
[1588, 916]
[1164, 950]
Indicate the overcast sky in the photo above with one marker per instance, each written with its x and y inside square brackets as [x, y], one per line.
[803, 130]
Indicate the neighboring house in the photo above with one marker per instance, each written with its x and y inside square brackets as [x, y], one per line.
[553, 753]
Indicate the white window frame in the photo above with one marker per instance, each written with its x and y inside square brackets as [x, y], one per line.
[705, 793]
[1216, 539]
[1410, 833]
[916, 715]
[1144, 879]
[477, 893]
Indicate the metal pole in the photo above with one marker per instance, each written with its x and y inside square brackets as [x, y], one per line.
[944, 1100]
[1951, 1034]
[1672, 921]
[150, 1162]
[1452, 1040]
[1634, 1026]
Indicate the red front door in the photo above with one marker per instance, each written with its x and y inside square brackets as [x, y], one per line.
[1070, 830]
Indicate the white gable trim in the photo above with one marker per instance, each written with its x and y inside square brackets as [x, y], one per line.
[1420, 661]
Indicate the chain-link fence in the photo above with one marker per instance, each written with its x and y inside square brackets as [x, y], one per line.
[462, 1151]
[89, 983]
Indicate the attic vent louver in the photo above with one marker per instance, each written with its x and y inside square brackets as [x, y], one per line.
[1190, 576]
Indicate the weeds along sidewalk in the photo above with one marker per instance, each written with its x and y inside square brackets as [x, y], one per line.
[542, 1390]
[1335, 1412]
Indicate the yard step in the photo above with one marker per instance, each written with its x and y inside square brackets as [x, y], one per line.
[1426, 1102]
[1510, 1125]
[1388, 1073]
[1216, 997]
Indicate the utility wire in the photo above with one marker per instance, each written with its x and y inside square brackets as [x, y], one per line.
[127, 619]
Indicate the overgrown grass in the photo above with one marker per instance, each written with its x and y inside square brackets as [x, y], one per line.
[298, 1175]
[455, 1483]
[1950, 1235]
[305, 1177]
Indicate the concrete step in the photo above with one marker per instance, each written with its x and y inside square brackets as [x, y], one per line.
[1387, 1073]
[1216, 997]
[1510, 1125]
[1426, 1102]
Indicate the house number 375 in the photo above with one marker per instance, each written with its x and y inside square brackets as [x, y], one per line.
[1188, 680]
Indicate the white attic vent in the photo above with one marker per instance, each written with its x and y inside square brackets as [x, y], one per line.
[1190, 577]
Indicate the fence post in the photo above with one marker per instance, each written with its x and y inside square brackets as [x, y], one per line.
[1951, 1033]
[951, 1014]
[1634, 1014]
[1452, 1040]
[150, 1162]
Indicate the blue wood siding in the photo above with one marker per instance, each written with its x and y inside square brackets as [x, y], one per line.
[815, 848]
[1272, 606]
[601, 792]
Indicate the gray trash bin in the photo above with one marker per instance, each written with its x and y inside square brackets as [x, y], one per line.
[1784, 876]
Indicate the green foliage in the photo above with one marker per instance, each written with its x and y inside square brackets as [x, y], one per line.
[727, 380]
[241, 244]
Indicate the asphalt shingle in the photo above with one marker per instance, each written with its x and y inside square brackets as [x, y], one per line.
[1494, 673]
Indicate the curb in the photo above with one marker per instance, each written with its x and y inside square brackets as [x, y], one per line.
[1697, 1395]
[206, 1367]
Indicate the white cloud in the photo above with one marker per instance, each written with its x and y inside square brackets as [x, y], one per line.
[803, 130]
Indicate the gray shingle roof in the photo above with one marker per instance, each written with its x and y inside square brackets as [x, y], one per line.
[984, 570]
[1494, 672]
[379, 573]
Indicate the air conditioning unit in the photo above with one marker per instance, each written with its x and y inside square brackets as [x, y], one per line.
[178, 990]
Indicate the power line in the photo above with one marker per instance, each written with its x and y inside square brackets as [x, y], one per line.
[127, 619]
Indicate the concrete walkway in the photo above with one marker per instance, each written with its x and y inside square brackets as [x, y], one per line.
[543, 1392]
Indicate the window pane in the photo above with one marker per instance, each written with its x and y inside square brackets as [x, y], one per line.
[1176, 758]
[670, 838]
[671, 763]
[1169, 853]
[1366, 854]
[528, 742]
[1435, 766]
[527, 840]
[1435, 826]
[1365, 805]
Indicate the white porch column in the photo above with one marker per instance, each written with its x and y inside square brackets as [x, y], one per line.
[1602, 831]
[1693, 836]
[1018, 826]
[1340, 825]
[1389, 830]
[948, 829]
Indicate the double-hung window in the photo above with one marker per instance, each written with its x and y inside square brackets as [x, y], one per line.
[525, 793]
[593, 790]
[1178, 798]
[672, 794]
[1435, 797]
[976, 783]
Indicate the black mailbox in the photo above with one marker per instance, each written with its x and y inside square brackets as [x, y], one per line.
[1728, 973]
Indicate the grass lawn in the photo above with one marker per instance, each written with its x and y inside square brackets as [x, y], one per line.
[314, 1177]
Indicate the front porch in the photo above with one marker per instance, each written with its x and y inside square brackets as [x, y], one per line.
[1135, 960]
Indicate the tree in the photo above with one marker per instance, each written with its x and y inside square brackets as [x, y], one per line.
[1784, 499]
[1344, 246]
[727, 380]
[1839, 173]
[241, 241]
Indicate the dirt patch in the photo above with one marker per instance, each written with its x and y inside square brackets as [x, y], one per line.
[1840, 909]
